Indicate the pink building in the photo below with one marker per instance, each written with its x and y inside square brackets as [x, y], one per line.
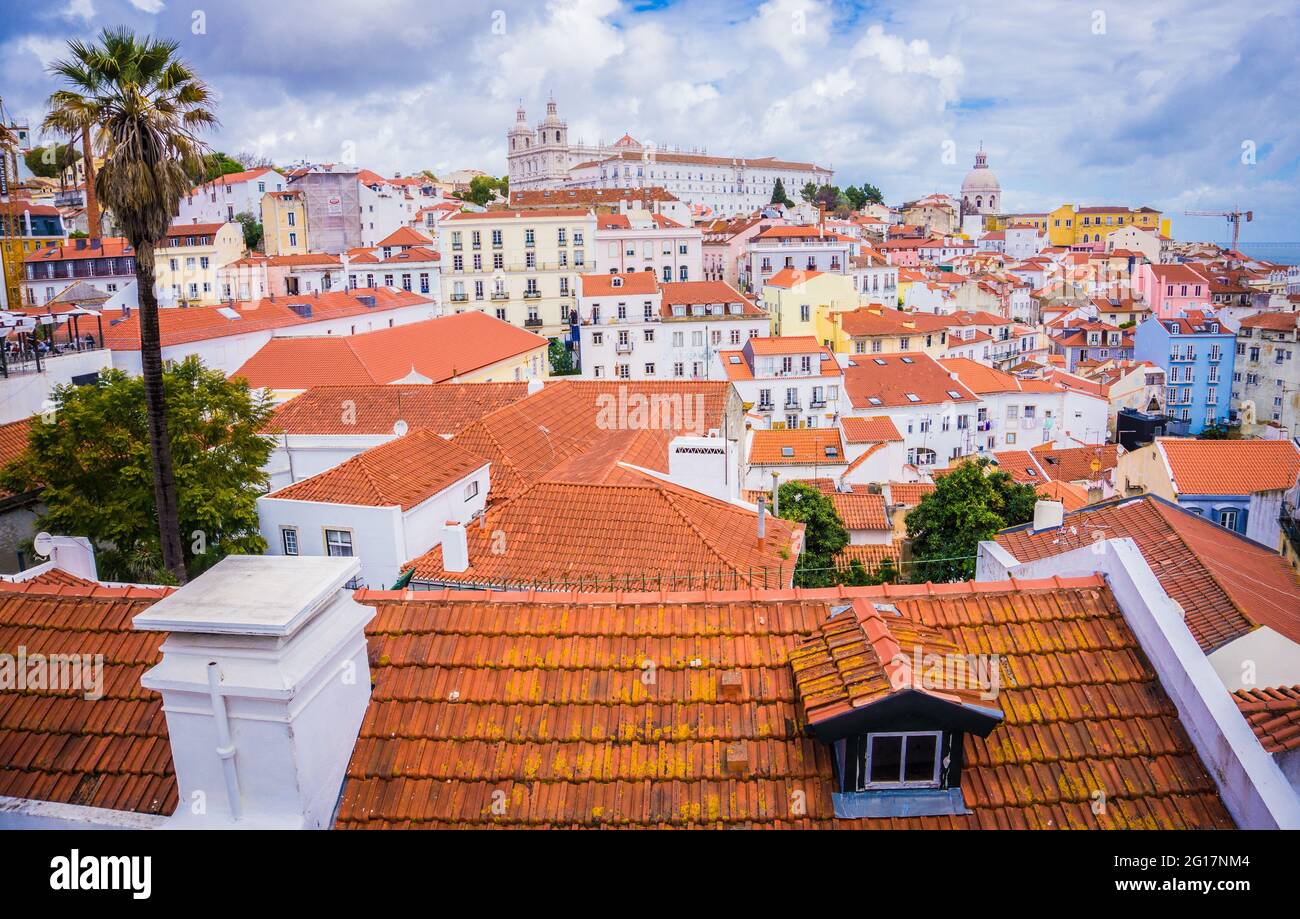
[726, 244]
[1171, 290]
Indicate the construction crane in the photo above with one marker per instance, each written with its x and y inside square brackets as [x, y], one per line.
[1234, 218]
[11, 219]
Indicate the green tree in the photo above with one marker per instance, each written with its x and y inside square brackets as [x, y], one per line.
[145, 106]
[482, 188]
[1217, 431]
[779, 196]
[873, 194]
[49, 162]
[824, 532]
[217, 164]
[969, 504]
[93, 462]
[252, 229]
[857, 575]
[808, 192]
[561, 359]
[857, 198]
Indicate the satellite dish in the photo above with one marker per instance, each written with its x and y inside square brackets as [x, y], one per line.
[43, 544]
[400, 428]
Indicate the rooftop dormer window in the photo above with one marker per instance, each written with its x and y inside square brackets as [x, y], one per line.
[894, 698]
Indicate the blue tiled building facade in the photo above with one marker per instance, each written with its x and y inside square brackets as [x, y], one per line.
[1197, 354]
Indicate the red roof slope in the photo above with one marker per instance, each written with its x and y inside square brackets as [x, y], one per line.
[545, 702]
[438, 349]
[634, 530]
[59, 746]
[1231, 467]
[1274, 716]
[374, 408]
[404, 472]
[1214, 574]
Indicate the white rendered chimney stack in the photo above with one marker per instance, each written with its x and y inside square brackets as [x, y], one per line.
[265, 681]
[1048, 515]
[455, 546]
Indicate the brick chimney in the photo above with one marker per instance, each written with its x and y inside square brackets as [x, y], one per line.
[264, 680]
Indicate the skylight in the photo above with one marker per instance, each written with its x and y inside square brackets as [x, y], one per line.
[874, 400]
[908, 360]
[954, 394]
[913, 397]
[734, 359]
[228, 312]
[787, 451]
[879, 360]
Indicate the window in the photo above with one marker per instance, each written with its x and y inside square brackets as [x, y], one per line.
[1228, 519]
[471, 491]
[338, 543]
[909, 760]
[289, 539]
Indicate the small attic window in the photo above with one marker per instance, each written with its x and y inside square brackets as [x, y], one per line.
[954, 394]
[733, 359]
[616, 282]
[787, 451]
[874, 400]
[913, 397]
[832, 451]
[879, 360]
[902, 760]
[908, 360]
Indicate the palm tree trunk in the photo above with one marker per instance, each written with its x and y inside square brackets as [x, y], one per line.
[164, 478]
[92, 202]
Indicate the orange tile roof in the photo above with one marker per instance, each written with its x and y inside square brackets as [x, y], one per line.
[13, 441]
[637, 530]
[982, 379]
[439, 349]
[110, 247]
[405, 472]
[204, 323]
[404, 236]
[192, 229]
[1021, 465]
[528, 439]
[637, 283]
[909, 494]
[445, 408]
[789, 277]
[59, 746]
[692, 292]
[889, 378]
[861, 656]
[1213, 573]
[536, 213]
[1273, 714]
[1071, 496]
[1273, 322]
[1074, 464]
[876, 429]
[871, 555]
[803, 447]
[859, 508]
[551, 709]
[1230, 467]
[803, 232]
[789, 344]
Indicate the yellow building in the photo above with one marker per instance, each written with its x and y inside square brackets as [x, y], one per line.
[519, 265]
[34, 226]
[798, 302]
[1076, 226]
[187, 262]
[877, 329]
[284, 223]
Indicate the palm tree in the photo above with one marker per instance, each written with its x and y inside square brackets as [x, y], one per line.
[146, 107]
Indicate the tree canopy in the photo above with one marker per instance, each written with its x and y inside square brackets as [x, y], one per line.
[90, 456]
[824, 537]
[482, 188]
[969, 504]
[779, 195]
[252, 229]
[49, 162]
[218, 164]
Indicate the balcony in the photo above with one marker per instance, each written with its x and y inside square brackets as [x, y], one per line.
[792, 406]
[533, 322]
[817, 403]
[460, 298]
[765, 407]
[532, 295]
[500, 295]
[623, 347]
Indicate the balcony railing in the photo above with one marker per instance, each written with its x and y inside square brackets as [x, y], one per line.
[460, 298]
[500, 295]
[623, 347]
[765, 407]
[532, 294]
[533, 322]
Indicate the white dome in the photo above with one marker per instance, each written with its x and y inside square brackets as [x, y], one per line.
[980, 181]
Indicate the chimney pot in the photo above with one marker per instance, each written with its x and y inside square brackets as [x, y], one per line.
[737, 757]
[732, 684]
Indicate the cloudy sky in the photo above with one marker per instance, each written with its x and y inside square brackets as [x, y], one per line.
[1176, 104]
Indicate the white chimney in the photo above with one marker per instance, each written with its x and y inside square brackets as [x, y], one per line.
[73, 554]
[535, 386]
[455, 546]
[265, 681]
[1048, 515]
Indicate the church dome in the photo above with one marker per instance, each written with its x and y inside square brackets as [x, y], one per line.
[980, 189]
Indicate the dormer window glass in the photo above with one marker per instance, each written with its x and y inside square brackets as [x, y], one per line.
[902, 760]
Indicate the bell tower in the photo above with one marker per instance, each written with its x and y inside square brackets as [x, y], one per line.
[520, 144]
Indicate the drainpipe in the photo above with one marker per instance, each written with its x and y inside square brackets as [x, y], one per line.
[225, 746]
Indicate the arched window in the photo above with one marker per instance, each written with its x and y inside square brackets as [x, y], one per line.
[979, 201]
[993, 201]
